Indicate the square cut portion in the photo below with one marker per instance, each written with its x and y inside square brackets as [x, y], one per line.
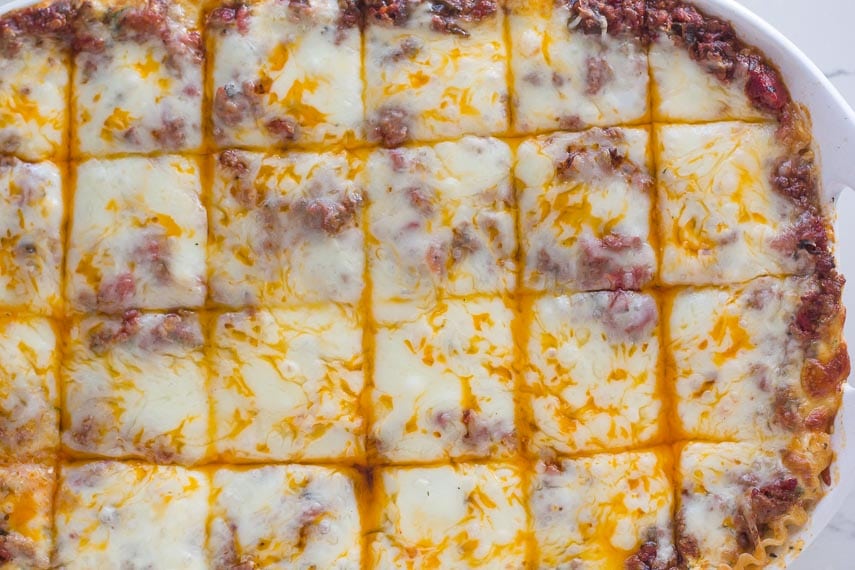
[131, 515]
[286, 385]
[137, 83]
[285, 516]
[286, 72]
[26, 503]
[136, 387]
[605, 511]
[441, 221]
[732, 497]
[722, 221]
[585, 210]
[138, 235]
[34, 82]
[286, 230]
[461, 516]
[433, 71]
[31, 217]
[443, 384]
[29, 417]
[684, 90]
[592, 372]
[567, 78]
[737, 358]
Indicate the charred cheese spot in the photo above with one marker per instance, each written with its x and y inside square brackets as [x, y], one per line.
[443, 384]
[130, 515]
[443, 85]
[286, 385]
[597, 512]
[284, 517]
[463, 516]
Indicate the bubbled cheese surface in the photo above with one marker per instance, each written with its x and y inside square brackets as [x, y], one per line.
[426, 286]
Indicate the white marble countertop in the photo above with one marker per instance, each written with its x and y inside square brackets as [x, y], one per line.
[830, 43]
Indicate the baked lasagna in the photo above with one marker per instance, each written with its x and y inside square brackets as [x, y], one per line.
[418, 284]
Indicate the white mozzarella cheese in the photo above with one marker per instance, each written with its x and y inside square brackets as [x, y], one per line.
[286, 385]
[138, 235]
[443, 384]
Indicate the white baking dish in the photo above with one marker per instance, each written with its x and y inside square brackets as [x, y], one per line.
[834, 133]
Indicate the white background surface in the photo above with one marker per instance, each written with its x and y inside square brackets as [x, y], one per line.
[823, 30]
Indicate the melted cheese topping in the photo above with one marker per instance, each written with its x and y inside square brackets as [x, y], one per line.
[31, 210]
[282, 517]
[366, 306]
[308, 67]
[269, 247]
[144, 396]
[683, 90]
[138, 235]
[593, 384]
[33, 101]
[29, 421]
[720, 217]
[443, 384]
[440, 221]
[733, 355]
[130, 515]
[565, 78]
[26, 502]
[446, 84]
[713, 479]
[595, 512]
[463, 516]
[286, 385]
[139, 95]
[564, 218]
